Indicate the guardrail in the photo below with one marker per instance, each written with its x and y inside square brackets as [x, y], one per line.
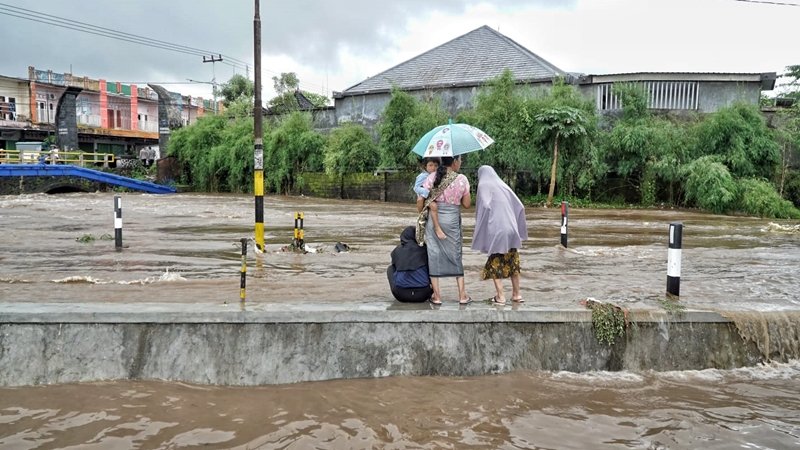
[55, 157]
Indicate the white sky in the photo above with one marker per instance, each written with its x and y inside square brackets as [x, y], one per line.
[333, 45]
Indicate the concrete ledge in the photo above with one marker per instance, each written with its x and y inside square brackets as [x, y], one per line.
[379, 312]
[273, 344]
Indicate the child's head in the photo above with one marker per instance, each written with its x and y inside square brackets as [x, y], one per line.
[430, 164]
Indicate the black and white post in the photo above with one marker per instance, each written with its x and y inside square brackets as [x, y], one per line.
[243, 277]
[674, 259]
[564, 221]
[118, 222]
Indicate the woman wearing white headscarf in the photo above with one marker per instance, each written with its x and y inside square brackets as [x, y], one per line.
[500, 229]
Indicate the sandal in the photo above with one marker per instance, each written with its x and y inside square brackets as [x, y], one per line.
[465, 302]
[518, 300]
[496, 302]
[434, 301]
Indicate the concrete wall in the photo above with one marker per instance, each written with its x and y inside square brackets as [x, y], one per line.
[232, 347]
[715, 96]
[367, 109]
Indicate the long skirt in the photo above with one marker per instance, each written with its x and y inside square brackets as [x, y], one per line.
[501, 265]
[444, 256]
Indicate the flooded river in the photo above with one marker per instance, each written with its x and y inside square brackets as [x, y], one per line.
[185, 248]
[755, 408]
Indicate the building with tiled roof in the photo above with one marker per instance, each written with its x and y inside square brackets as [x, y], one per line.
[455, 70]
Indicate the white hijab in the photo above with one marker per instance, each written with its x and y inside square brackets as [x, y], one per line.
[499, 215]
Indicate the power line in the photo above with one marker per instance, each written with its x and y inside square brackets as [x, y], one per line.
[84, 27]
[766, 2]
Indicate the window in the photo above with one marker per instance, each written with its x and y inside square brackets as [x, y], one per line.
[676, 95]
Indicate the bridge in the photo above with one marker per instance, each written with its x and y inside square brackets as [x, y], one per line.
[68, 170]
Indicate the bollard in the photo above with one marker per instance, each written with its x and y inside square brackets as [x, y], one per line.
[243, 280]
[674, 259]
[118, 222]
[298, 242]
[564, 220]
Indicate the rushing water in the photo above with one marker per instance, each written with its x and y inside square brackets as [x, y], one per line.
[185, 248]
[755, 408]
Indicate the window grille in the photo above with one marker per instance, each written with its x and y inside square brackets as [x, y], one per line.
[660, 95]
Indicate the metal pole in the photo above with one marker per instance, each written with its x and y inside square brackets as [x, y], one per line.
[118, 222]
[258, 147]
[243, 281]
[564, 222]
[674, 259]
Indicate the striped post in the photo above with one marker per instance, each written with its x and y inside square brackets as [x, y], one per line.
[298, 242]
[118, 222]
[259, 192]
[243, 279]
[564, 221]
[674, 259]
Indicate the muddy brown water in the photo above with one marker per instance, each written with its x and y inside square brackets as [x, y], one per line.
[185, 248]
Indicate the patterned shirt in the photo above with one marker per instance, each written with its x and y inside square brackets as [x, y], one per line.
[453, 193]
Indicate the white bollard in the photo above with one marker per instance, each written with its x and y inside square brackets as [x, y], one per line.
[674, 259]
[118, 222]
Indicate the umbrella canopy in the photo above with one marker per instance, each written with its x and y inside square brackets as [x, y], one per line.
[451, 140]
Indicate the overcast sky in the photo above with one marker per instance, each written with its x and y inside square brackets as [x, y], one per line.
[333, 45]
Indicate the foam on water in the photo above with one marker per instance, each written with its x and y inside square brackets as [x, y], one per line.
[166, 277]
[601, 377]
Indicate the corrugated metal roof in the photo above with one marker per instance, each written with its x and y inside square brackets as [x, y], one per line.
[470, 59]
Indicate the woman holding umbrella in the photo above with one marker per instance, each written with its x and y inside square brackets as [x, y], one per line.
[450, 191]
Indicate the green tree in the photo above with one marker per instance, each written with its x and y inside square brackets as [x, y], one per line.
[758, 197]
[237, 89]
[290, 150]
[350, 148]
[503, 111]
[710, 185]
[562, 123]
[645, 150]
[403, 122]
[396, 131]
[739, 135]
[285, 87]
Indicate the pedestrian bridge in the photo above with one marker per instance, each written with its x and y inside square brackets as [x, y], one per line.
[67, 170]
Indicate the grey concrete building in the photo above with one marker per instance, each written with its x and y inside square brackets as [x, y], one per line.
[455, 70]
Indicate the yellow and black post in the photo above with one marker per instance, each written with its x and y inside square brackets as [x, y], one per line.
[298, 242]
[258, 148]
[243, 280]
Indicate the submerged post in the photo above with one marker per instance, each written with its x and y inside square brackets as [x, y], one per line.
[674, 259]
[564, 221]
[298, 241]
[118, 222]
[243, 280]
[258, 147]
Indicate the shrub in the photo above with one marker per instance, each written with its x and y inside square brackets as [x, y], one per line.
[759, 197]
[350, 149]
[710, 185]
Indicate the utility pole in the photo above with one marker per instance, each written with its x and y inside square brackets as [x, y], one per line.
[213, 59]
[258, 147]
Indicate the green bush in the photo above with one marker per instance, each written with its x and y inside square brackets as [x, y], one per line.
[759, 198]
[350, 149]
[710, 185]
[791, 189]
